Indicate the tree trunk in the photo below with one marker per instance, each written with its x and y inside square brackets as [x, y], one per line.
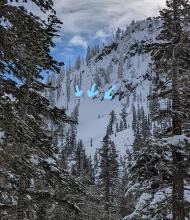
[22, 178]
[178, 208]
[21, 197]
[178, 188]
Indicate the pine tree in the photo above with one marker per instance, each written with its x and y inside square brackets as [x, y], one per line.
[171, 60]
[89, 171]
[108, 172]
[121, 126]
[75, 113]
[120, 67]
[88, 55]
[110, 68]
[80, 79]
[78, 63]
[60, 80]
[148, 184]
[124, 117]
[112, 121]
[97, 78]
[96, 167]
[28, 166]
[124, 204]
[153, 104]
[146, 128]
[118, 34]
[139, 113]
[134, 123]
[77, 168]
[138, 139]
[117, 127]
[83, 167]
[68, 83]
[91, 142]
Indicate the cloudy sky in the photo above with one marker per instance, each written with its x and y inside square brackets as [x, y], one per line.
[91, 21]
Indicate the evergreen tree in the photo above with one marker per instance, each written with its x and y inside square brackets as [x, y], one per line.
[118, 34]
[134, 123]
[147, 185]
[70, 141]
[145, 128]
[29, 170]
[108, 172]
[124, 202]
[97, 79]
[89, 171]
[139, 113]
[80, 79]
[110, 68]
[121, 126]
[120, 68]
[78, 63]
[96, 167]
[77, 168]
[91, 142]
[75, 113]
[83, 167]
[112, 120]
[171, 61]
[153, 105]
[88, 55]
[68, 83]
[117, 127]
[138, 139]
[60, 80]
[124, 117]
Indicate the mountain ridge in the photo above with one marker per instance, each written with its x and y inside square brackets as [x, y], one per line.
[120, 63]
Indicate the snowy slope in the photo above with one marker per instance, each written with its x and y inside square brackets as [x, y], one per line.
[126, 67]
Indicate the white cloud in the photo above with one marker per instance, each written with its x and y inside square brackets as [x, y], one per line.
[89, 16]
[78, 41]
[87, 21]
[101, 34]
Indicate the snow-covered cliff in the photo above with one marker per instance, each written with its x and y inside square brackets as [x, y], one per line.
[121, 63]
